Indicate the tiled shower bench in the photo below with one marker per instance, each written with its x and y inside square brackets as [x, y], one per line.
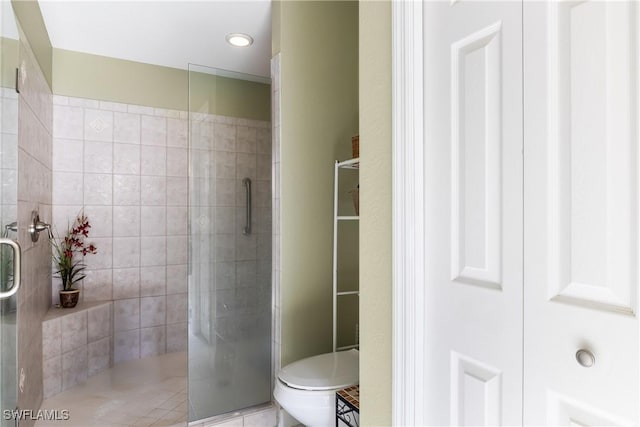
[76, 344]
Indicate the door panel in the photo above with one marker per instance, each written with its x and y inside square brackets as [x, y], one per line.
[592, 167]
[476, 395]
[473, 190]
[565, 411]
[581, 212]
[475, 152]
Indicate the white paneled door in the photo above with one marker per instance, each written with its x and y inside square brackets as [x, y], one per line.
[531, 178]
[581, 213]
[473, 212]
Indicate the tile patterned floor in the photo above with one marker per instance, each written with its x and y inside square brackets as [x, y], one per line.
[146, 392]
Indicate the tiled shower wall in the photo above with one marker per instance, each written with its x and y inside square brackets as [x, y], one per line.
[33, 193]
[231, 271]
[8, 215]
[8, 156]
[126, 165]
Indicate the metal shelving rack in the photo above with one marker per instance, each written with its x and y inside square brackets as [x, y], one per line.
[347, 164]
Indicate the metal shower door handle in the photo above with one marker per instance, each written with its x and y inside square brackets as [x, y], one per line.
[17, 253]
[247, 186]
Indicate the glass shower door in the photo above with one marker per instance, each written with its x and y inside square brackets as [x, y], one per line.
[9, 280]
[230, 242]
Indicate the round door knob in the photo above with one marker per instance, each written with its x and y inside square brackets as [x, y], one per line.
[585, 358]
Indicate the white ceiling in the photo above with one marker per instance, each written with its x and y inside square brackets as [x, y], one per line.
[8, 27]
[170, 33]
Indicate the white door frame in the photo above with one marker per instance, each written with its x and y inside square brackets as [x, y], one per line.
[408, 212]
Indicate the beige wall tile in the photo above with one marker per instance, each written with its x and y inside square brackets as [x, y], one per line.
[153, 341]
[51, 339]
[73, 328]
[75, 367]
[52, 376]
[99, 356]
[99, 322]
[126, 345]
[126, 314]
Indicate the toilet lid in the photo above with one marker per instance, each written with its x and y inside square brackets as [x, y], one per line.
[323, 372]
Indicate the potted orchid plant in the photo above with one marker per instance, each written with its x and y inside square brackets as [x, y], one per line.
[68, 256]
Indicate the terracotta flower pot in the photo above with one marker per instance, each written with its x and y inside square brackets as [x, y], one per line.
[69, 299]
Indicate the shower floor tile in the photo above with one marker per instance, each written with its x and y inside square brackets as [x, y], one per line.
[145, 392]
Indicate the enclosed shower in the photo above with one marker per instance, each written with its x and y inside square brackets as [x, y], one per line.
[230, 301]
[180, 202]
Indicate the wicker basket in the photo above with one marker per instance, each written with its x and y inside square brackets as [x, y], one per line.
[355, 146]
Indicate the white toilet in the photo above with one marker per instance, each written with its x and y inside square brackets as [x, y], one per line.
[306, 389]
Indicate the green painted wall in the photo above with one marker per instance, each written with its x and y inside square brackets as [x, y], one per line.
[28, 14]
[8, 61]
[230, 97]
[110, 79]
[318, 42]
[375, 206]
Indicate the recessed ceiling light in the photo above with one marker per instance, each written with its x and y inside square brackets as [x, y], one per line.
[239, 39]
